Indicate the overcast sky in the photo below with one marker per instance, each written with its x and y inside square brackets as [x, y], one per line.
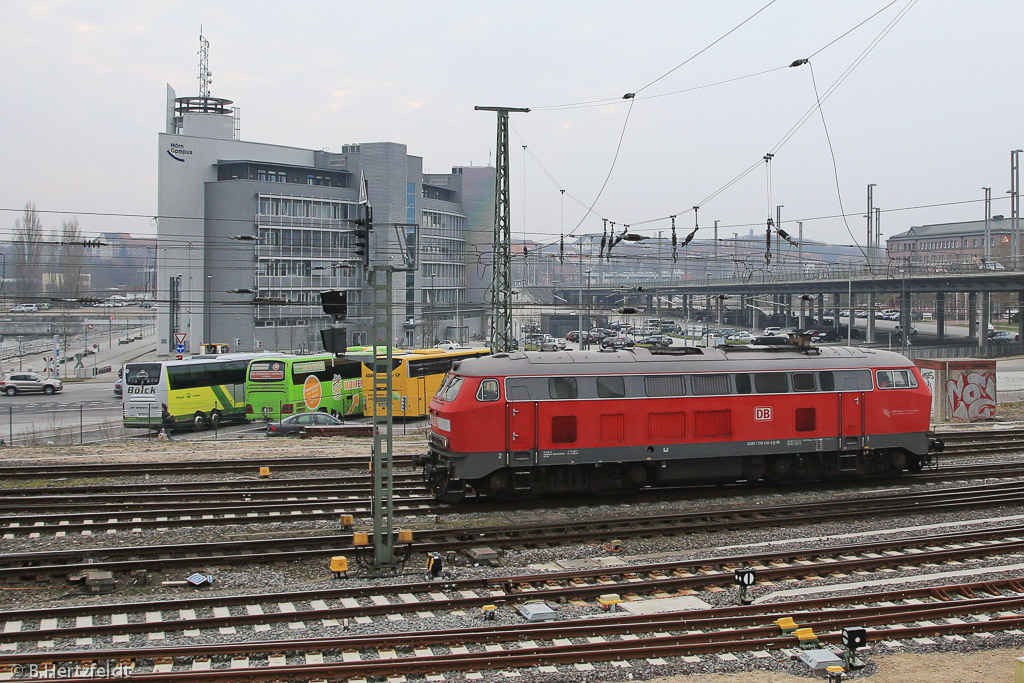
[930, 114]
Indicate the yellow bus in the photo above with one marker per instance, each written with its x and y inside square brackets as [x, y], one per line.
[415, 377]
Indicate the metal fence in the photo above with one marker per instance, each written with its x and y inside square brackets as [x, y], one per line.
[24, 426]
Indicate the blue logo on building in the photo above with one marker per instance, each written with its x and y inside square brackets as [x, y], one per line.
[178, 152]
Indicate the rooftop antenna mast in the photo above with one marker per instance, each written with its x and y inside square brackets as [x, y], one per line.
[204, 66]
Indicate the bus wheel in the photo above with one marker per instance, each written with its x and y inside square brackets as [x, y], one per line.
[215, 419]
[199, 421]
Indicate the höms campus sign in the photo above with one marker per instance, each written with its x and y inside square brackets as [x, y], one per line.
[178, 152]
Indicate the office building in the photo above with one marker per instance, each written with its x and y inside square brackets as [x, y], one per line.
[250, 233]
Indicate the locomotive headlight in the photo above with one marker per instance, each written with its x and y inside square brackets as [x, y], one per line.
[436, 439]
[444, 424]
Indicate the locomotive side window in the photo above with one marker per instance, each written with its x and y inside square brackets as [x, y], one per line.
[518, 389]
[611, 387]
[852, 380]
[563, 429]
[827, 380]
[711, 385]
[771, 382]
[742, 383]
[803, 381]
[664, 385]
[562, 387]
[488, 390]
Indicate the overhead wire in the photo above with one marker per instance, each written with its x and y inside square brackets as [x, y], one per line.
[803, 119]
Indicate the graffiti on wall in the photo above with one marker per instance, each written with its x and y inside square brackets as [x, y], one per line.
[972, 396]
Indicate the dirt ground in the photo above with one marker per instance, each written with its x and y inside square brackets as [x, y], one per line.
[992, 666]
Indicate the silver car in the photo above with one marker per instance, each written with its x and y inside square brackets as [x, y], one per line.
[23, 382]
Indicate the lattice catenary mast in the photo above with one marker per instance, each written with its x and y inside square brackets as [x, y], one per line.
[501, 284]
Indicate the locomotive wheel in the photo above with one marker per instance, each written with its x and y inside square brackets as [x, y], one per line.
[639, 476]
[914, 464]
[781, 469]
[810, 468]
[499, 484]
[897, 461]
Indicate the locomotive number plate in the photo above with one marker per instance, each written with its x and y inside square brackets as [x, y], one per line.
[763, 414]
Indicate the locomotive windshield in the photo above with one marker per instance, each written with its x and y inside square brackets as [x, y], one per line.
[450, 388]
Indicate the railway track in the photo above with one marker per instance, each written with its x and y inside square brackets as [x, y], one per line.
[41, 512]
[90, 621]
[249, 465]
[255, 551]
[105, 512]
[983, 609]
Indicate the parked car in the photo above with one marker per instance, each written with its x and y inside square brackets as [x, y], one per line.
[24, 308]
[1001, 337]
[772, 331]
[744, 337]
[447, 344]
[293, 424]
[659, 341]
[573, 336]
[616, 343]
[24, 382]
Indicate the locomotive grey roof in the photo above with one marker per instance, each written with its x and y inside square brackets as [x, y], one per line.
[704, 360]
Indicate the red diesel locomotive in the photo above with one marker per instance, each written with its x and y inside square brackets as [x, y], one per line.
[538, 423]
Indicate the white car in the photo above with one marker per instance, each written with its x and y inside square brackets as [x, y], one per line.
[772, 331]
[742, 336]
[447, 345]
[25, 308]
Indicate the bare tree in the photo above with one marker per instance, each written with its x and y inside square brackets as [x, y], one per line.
[68, 269]
[28, 252]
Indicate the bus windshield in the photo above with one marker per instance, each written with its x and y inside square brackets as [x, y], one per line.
[142, 374]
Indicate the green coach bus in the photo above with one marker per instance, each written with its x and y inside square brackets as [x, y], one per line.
[281, 385]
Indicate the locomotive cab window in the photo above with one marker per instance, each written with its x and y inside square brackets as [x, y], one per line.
[895, 379]
[450, 389]
[562, 387]
[488, 390]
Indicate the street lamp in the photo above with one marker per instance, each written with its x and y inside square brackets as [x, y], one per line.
[433, 308]
[1015, 205]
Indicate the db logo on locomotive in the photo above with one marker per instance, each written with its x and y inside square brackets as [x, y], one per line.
[763, 414]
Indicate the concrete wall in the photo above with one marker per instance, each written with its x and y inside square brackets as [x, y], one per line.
[962, 390]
